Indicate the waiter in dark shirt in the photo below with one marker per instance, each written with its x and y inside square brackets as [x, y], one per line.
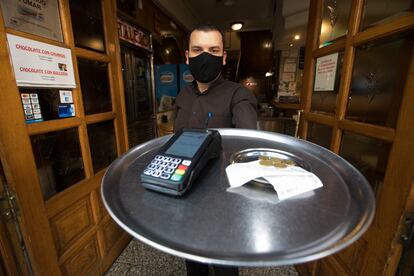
[211, 101]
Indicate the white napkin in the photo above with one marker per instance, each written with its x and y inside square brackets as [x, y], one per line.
[287, 182]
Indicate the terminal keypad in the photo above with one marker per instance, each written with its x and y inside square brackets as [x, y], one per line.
[166, 167]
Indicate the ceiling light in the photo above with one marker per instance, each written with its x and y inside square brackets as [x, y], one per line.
[291, 45]
[236, 26]
[296, 37]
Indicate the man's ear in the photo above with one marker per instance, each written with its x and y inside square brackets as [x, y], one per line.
[186, 56]
[224, 57]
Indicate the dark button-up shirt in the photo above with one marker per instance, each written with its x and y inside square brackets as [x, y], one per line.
[225, 104]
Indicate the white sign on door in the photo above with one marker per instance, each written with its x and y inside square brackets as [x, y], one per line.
[325, 73]
[38, 64]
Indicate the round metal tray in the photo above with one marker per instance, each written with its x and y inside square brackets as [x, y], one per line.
[210, 224]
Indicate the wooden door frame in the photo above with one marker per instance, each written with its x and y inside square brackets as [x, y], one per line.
[22, 173]
[24, 182]
[383, 237]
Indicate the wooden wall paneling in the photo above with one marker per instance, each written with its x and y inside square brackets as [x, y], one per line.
[337, 46]
[75, 247]
[112, 232]
[78, 101]
[345, 84]
[116, 249]
[115, 74]
[100, 117]
[35, 37]
[397, 181]
[352, 257]
[383, 30]
[374, 131]
[53, 125]
[319, 118]
[69, 196]
[312, 41]
[25, 183]
[89, 54]
[329, 266]
[114, 52]
[85, 262]
[72, 223]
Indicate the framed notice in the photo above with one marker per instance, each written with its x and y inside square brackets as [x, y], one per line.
[38, 64]
[36, 17]
[325, 73]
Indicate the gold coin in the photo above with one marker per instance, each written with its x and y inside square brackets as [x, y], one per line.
[263, 157]
[266, 162]
[289, 162]
[279, 165]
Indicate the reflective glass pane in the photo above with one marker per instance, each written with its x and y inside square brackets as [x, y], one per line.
[381, 11]
[319, 134]
[378, 79]
[368, 155]
[87, 24]
[58, 160]
[102, 144]
[335, 20]
[324, 101]
[95, 86]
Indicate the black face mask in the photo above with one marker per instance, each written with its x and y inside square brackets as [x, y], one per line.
[205, 67]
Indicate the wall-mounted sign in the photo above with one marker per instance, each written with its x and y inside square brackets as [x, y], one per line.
[38, 17]
[38, 64]
[133, 35]
[325, 73]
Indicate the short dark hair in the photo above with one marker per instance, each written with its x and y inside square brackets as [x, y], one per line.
[206, 28]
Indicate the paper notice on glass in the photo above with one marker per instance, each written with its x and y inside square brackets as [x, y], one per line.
[325, 73]
[289, 67]
[288, 76]
[36, 17]
[287, 182]
[39, 64]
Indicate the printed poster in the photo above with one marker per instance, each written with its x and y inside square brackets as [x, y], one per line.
[37, 64]
[38, 17]
[325, 73]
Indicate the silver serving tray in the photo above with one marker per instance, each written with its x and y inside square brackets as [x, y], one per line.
[212, 225]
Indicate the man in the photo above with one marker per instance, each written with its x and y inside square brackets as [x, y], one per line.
[213, 102]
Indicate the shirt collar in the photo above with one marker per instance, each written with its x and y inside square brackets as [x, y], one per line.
[215, 83]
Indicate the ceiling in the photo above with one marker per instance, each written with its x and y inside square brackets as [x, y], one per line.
[285, 18]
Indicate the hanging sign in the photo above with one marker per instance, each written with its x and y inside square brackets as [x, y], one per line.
[133, 35]
[38, 64]
[325, 73]
[38, 17]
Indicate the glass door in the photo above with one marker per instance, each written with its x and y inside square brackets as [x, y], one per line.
[136, 71]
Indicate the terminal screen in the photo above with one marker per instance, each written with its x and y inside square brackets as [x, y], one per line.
[187, 144]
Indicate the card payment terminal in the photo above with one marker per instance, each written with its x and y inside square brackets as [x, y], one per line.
[178, 163]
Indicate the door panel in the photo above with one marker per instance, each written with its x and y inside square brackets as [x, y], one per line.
[369, 116]
[56, 166]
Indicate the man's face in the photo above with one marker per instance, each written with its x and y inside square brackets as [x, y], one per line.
[210, 42]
